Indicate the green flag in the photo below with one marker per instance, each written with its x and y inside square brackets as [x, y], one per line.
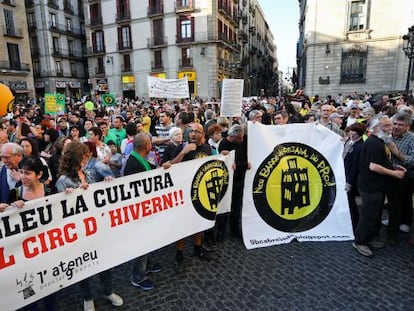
[108, 99]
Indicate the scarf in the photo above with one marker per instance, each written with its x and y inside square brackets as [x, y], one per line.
[141, 160]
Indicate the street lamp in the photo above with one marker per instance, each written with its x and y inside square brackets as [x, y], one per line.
[408, 47]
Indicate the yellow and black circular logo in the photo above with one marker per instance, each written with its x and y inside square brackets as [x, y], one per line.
[294, 188]
[60, 97]
[108, 100]
[208, 187]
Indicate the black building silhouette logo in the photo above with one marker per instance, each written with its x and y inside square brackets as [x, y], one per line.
[208, 187]
[294, 188]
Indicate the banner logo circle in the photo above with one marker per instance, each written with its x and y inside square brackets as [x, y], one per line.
[294, 188]
[208, 187]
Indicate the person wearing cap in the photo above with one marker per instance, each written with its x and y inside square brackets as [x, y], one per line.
[375, 173]
[354, 114]
[63, 127]
[337, 119]
[324, 119]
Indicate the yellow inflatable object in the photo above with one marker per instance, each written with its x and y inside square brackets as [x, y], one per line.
[6, 100]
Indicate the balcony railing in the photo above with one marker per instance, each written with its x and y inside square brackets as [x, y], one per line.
[63, 29]
[13, 32]
[9, 2]
[157, 9]
[96, 21]
[99, 71]
[186, 62]
[126, 68]
[67, 7]
[15, 66]
[154, 42]
[157, 66]
[29, 3]
[53, 4]
[32, 26]
[124, 46]
[96, 50]
[123, 17]
[184, 5]
[180, 39]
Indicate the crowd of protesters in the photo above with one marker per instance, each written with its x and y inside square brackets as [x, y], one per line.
[43, 154]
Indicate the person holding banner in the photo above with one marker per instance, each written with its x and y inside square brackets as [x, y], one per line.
[235, 140]
[137, 163]
[11, 155]
[375, 170]
[32, 172]
[195, 149]
[73, 175]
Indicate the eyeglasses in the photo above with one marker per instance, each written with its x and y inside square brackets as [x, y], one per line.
[196, 131]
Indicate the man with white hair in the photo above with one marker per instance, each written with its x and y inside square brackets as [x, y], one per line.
[375, 171]
[11, 155]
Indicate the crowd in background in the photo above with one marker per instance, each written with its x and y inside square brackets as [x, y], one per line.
[43, 154]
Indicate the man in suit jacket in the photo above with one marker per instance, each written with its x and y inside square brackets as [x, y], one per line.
[11, 155]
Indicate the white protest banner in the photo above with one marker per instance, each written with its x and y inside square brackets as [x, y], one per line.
[58, 240]
[296, 187]
[231, 98]
[168, 88]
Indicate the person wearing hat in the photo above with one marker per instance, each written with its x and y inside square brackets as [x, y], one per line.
[354, 114]
[63, 127]
[337, 119]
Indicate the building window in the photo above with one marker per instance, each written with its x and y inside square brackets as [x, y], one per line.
[34, 45]
[98, 41]
[52, 20]
[123, 9]
[124, 38]
[9, 21]
[68, 24]
[185, 28]
[71, 47]
[95, 13]
[357, 15]
[354, 65]
[31, 21]
[59, 71]
[73, 70]
[14, 56]
[127, 62]
[55, 42]
[158, 32]
[157, 60]
[186, 57]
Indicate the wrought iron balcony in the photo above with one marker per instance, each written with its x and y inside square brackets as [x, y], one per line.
[186, 62]
[184, 5]
[157, 9]
[14, 66]
[157, 66]
[155, 42]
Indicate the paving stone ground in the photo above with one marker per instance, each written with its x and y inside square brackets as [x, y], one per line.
[296, 276]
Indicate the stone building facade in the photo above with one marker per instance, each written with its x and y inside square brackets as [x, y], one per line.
[353, 45]
[15, 59]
